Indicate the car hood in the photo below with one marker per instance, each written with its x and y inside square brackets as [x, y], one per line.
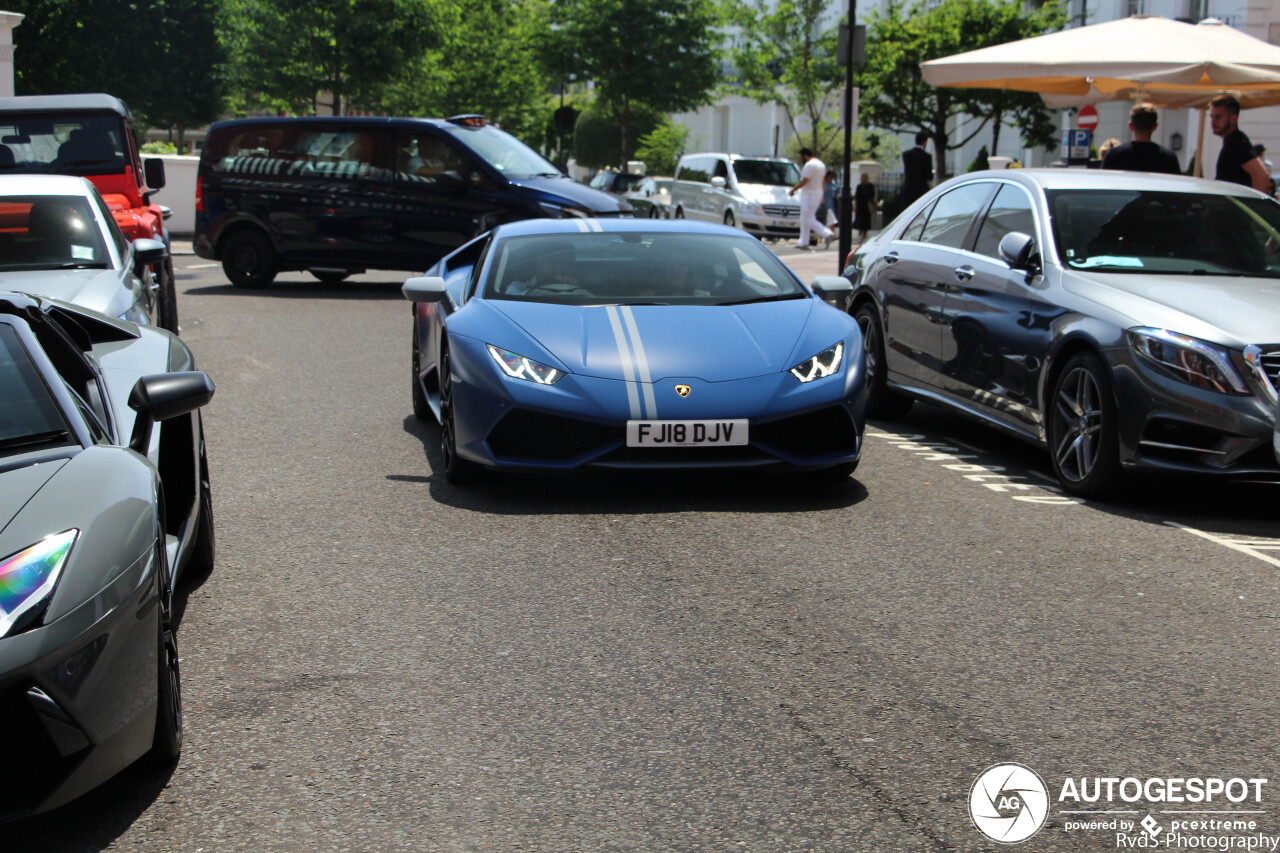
[767, 194]
[1227, 310]
[19, 485]
[99, 290]
[562, 189]
[707, 342]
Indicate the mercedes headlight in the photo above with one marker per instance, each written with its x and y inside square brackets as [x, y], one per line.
[28, 577]
[825, 363]
[752, 208]
[1193, 361]
[519, 367]
[559, 211]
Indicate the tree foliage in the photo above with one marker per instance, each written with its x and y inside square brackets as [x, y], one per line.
[782, 57]
[288, 51]
[189, 91]
[895, 95]
[662, 147]
[597, 135]
[659, 52]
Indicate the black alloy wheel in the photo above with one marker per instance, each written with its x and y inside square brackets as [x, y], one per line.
[421, 408]
[204, 546]
[249, 259]
[457, 471]
[882, 401]
[166, 745]
[1084, 440]
[166, 296]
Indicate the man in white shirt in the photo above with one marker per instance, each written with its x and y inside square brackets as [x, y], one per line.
[810, 189]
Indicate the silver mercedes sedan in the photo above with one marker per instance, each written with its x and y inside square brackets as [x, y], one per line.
[1122, 320]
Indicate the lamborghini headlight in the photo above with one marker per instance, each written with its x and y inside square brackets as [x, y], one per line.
[28, 577]
[519, 367]
[825, 363]
[1191, 360]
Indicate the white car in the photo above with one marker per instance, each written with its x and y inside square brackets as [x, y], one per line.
[59, 239]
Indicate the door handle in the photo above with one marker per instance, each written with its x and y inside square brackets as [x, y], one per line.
[891, 258]
[964, 273]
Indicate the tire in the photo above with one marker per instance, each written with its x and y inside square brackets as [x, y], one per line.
[166, 745]
[204, 546]
[167, 298]
[679, 214]
[421, 408]
[882, 401]
[1082, 428]
[249, 260]
[729, 220]
[653, 212]
[331, 277]
[458, 472]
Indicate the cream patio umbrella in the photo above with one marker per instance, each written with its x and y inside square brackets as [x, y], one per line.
[1170, 63]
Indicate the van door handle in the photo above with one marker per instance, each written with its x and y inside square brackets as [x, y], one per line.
[964, 273]
[891, 258]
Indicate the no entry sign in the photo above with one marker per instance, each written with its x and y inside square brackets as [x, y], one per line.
[1088, 118]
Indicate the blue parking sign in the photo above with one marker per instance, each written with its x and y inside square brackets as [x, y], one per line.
[1075, 144]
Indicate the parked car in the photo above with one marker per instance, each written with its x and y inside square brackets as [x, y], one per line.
[616, 183]
[340, 195]
[554, 346]
[651, 198]
[747, 192]
[1123, 320]
[58, 239]
[104, 500]
[93, 136]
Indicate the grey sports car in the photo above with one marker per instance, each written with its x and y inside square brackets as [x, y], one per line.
[1123, 320]
[104, 499]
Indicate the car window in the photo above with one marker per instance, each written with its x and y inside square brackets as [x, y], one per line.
[113, 228]
[50, 233]
[29, 416]
[954, 211]
[511, 157]
[335, 153]
[1133, 231]
[693, 170]
[637, 268]
[1011, 211]
[252, 150]
[916, 228]
[722, 169]
[775, 173]
[72, 144]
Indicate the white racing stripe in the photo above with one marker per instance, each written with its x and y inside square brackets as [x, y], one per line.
[581, 225]
[595, 226]
[624, 352]
[641, 361]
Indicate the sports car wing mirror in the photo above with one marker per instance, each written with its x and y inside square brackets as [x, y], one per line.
[147, 251]
[1016, 248]
[834, 289]
[162, 396]
[426, 288]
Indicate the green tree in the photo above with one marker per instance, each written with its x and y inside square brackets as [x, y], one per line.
[189, 90]
[895, 95]
[864, 145]
[284, 53]
[662, 147]
[597, 135]
[783, 57]
[659, 52]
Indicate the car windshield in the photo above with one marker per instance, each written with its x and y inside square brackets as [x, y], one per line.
[66, 144]
[504, 152]
[777, 173]
[638, 268]
[50, 233]
[29, 416]
[1133, 231]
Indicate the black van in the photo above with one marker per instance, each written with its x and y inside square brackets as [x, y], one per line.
[340, 195]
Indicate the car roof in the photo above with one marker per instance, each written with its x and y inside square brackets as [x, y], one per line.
[46, 185]
[346, 121]
[59, 103]
[612, 225]
[1099, 179]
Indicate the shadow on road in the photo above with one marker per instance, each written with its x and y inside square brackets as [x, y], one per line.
[599, 491]
[287, 288]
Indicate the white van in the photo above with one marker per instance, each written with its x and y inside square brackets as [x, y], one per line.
[749, 192]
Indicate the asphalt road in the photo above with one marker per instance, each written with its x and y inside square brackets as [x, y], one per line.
[383, 662]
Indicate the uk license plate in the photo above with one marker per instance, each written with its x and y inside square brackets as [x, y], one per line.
[726, 433]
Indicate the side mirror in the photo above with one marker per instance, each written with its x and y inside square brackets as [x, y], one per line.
[427, 288]
[153, 172]
[834, 289]
[718, 182]
[1015, 249]
[162, 396]
[147, 252]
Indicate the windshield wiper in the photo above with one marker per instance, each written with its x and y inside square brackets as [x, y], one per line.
[776, 298]
[51, 437]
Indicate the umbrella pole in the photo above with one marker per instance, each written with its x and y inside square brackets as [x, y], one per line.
[1199, 172]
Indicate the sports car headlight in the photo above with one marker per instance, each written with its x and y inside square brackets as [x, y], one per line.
[28, 577]
[1193, 361]
[519, 367]
[823, 364]
[558, 211]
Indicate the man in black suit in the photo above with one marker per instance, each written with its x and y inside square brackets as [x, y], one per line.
[917, 170]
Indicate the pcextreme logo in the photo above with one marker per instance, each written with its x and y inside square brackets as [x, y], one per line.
[1009, 803]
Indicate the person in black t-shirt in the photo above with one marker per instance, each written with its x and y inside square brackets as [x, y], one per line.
[1237, 162]
[1142, 155]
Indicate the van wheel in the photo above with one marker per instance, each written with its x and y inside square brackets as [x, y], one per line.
[249, 259]
[679, 213]
[729, 220]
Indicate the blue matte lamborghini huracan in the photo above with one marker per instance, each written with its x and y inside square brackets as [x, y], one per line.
[557, 344]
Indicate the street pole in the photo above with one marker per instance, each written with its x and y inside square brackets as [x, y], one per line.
[845, 224]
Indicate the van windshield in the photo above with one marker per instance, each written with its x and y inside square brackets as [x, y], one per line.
[504, 152]
[776, 173]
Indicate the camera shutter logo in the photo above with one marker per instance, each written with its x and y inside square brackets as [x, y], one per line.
[1009, 803]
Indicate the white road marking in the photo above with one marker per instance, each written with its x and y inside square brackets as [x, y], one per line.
[1245, 545]
[200, 266]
